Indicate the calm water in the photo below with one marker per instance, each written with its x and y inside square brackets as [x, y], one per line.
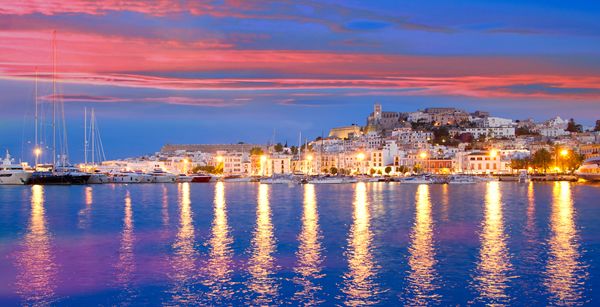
[374, 243]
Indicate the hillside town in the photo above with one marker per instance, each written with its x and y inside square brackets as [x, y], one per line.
[431, 141]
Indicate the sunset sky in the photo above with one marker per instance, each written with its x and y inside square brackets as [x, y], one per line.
[226, 71]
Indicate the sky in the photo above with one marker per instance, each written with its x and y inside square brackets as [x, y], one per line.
[172, 71]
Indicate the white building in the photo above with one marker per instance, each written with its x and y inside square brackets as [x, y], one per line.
[492, 132]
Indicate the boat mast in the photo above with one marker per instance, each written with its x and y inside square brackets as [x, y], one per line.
[54, 98]
[85, 142]
[93, 120]
[36, 148]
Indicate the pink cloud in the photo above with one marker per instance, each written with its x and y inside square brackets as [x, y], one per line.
[88, 58]
[173, 100]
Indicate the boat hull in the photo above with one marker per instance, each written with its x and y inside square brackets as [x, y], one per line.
[98, 179]
[58, 178]
[15, 178]
[201, 179]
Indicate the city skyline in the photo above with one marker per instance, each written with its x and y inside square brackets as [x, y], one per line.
[222, 73]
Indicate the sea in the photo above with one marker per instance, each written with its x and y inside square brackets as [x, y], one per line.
[387, 244]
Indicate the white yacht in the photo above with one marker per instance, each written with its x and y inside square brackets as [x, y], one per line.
[332, 180]
[418, 180]
[279, 180]
[458, 179]
[589, 170]
[125, 177]
[160, 176]
[13, 173]
[98, 177]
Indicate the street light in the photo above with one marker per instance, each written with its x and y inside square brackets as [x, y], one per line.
[423, 155]
[493, 153]
[564, 152]
[309, 158]
[219, 159]
[37, 152]
[360, 157]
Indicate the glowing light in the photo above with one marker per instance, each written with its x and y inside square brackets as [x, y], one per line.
[564, 271]
[263, 158]
[37, 152]
[564, 152]
[261, 264]
[422, 274]
[494, 258]
[423, 155]
[220, 159]
[126, 264]
[35, 280]
[359, 282]
[493, 153]
[219, 266]
[184, 255]
[360, 156]
[309, 253]
[309, 157]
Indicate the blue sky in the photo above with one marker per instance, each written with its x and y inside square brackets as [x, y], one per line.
[227, 71]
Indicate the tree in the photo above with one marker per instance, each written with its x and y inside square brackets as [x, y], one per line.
[388, 170]
[518, 164]
[333, 170]
[209, 169]
[541, 159]
[597, 128]
[256, 151]
[372, 171]
[572, 126]
[294, 150]
[278, 147]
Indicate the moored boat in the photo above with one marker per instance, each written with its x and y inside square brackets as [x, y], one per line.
[589, 170]
[13, 173]
[200, 177]
[160, 176]
[332, 180]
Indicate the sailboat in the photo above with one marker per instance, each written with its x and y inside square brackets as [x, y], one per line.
[59, 172]
[96, 150]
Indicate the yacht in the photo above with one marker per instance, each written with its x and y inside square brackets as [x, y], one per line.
[125, 177]
[160, 176]
[418, 180]
[279, 180]
[236, 178]
[13, 173]
[184, 178]
[60, 175]
[98, 177]
[457, 179]
[332, 180]
[200, 177]
[589, 170]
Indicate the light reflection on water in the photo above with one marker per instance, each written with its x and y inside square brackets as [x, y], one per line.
[422, 275]
[310, 252]
[261, 265]
[36, 276]
[361, 244]
[183, 261]
[359, 285]
[220, 264]
[126, 265]
[85, 212]
[564, 272]
[494, 265]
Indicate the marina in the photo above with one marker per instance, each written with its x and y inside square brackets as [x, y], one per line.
[245, 243]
